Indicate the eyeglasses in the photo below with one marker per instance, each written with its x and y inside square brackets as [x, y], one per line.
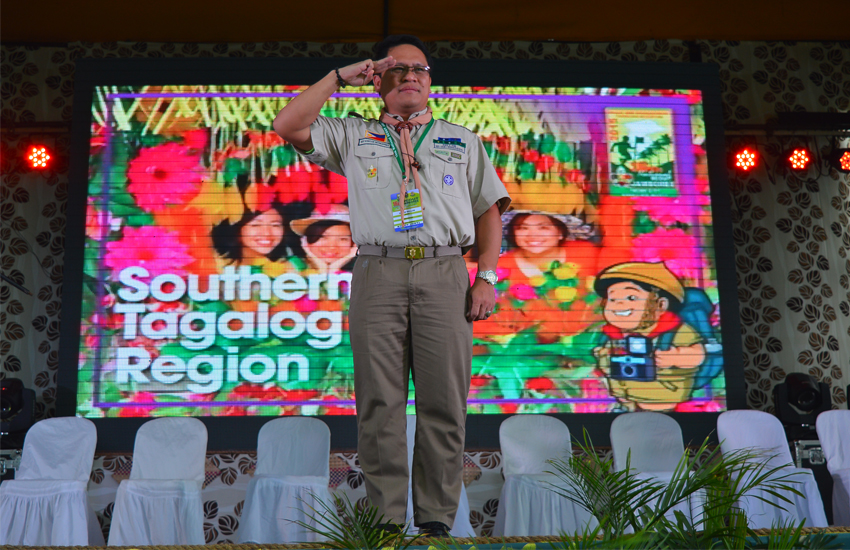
[419, 71]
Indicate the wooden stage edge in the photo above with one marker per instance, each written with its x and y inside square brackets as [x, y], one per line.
[480, 543]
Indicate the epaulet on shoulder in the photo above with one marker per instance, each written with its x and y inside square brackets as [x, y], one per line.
[457, 126]
[354, 114]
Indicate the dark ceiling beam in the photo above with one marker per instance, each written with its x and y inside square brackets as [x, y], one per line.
[370, 20]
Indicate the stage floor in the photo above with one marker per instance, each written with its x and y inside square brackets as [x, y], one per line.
[842, 540]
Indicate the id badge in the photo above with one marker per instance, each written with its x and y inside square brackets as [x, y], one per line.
[412, 211]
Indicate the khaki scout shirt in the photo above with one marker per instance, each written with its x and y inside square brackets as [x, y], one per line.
[456, 188]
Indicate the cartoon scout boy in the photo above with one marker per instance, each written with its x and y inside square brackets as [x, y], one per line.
[648, 354]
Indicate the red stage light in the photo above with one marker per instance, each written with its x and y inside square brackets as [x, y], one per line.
[38, 157]
[746, 159]
[844, 161]
[799, 159]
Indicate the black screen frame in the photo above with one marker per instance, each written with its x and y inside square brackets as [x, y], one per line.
[240, 433]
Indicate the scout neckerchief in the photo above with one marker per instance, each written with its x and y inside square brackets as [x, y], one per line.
[406, 159]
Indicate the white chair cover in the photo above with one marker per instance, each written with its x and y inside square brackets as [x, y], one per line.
[161, 502]
[763, 433]
[528, 506]
[292, 476]
[656, 445]
[45, 505]
[462, 527]
[834, 435]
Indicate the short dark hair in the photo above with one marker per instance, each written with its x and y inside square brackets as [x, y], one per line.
[519, 218]
[316, 230]
[227, 237]
[382, 48]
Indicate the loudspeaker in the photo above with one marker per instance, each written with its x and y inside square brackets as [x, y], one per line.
[17, 412]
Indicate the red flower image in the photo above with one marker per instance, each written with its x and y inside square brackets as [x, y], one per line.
[544, 163]
[164, 175]
[140, 397]
[530, 155]
[539, 384]
[157, 250]
[264, 140]
[196, 140]
[251, 393]
[504, 144]
[509, 408]
[295, 183]
[300, 395]
[335, 191]
[345, 410]
[479, 380]
[478, 383]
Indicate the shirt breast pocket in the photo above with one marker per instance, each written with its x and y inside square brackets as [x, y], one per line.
[375, 167]
[448, 170]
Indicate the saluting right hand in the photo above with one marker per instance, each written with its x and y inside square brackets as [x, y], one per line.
[362, 72]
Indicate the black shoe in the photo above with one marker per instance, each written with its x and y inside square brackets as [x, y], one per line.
[434, 529]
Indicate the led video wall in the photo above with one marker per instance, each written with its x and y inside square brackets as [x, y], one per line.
[216, 272]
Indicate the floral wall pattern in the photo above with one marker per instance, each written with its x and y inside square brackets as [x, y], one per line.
[791, 232]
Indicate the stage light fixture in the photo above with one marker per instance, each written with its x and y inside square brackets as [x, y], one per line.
[745, 159]
[798, 158]
[840, 160]
[38, 157]
[798, 401]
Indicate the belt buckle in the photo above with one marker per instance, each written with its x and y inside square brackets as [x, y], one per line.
[414, 252]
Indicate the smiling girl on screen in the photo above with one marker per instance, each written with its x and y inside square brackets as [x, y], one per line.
[258, 234]
[546, 266]
[326, 240]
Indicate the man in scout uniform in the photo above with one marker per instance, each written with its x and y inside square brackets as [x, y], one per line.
[648, 354]
[419, 190]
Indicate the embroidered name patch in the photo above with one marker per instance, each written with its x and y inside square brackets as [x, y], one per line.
[449, 144]
[374, 138]
[451, 154]
[370, 141]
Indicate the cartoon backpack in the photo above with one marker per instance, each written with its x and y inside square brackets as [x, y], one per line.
[696, 311]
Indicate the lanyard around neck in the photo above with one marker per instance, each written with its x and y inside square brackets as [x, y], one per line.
[415, 147]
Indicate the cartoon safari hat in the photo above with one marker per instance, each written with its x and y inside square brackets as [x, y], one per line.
[336, 213]
[652, 273]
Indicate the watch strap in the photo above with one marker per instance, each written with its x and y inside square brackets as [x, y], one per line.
[489, 276]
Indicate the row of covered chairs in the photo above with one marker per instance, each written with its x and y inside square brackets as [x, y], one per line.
[654, 443]
[161, 501]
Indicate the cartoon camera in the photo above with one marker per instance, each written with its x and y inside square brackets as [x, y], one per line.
[637, 364]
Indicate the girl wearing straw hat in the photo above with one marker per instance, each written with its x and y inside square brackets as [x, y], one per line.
[326, 239]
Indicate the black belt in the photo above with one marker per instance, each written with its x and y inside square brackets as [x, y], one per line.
[409, 252]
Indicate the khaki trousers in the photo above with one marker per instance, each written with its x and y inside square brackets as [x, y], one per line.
[408, 317]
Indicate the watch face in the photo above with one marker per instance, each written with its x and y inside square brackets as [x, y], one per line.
[489, 276]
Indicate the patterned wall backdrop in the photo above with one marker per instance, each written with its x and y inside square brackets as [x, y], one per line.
[791, 233]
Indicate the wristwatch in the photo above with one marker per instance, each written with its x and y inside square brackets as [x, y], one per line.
[489, 276]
